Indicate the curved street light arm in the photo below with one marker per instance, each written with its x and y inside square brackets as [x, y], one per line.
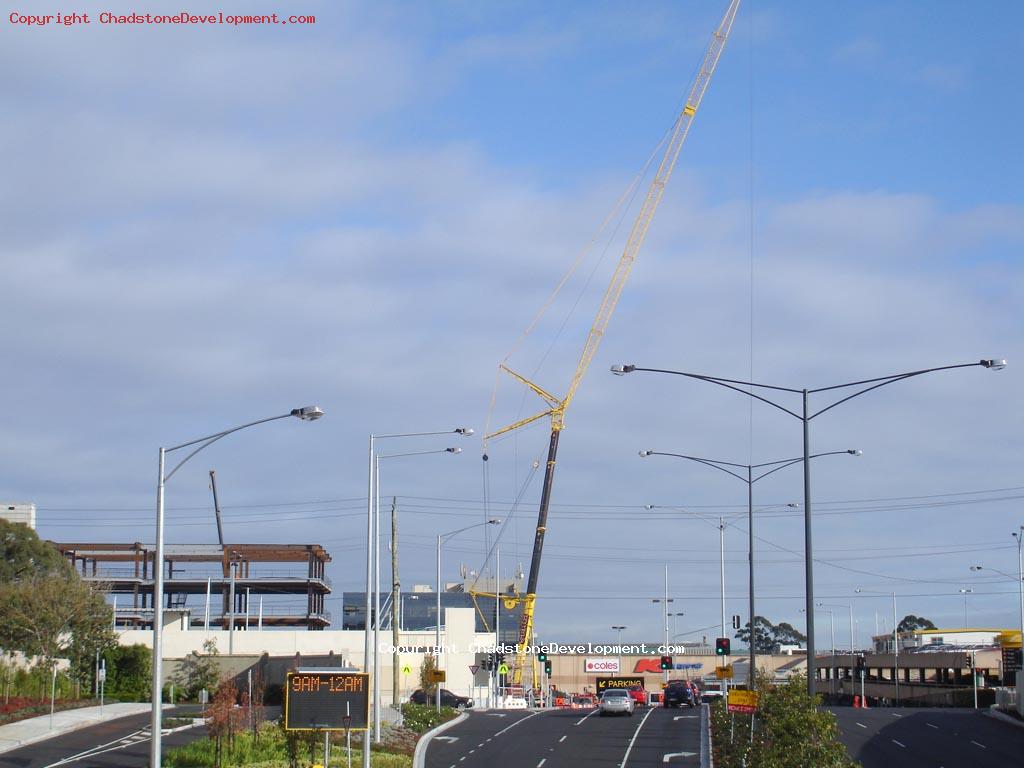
[883, 380]
[417, 453]
[211, 439]
[706, 462]
[728, 384]
[790, 462]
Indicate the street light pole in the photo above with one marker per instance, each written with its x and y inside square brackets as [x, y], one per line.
[749, 479]
[308, 413]
[441, 538]
[895, 640]
[805, 416]
[619, 628]
[376, 580]
[965, 592]
[850, 607]
[372, 554]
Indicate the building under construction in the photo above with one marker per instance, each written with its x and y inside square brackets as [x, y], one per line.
[207, 585]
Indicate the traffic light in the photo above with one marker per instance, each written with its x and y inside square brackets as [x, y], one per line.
[722, 646]
[666, 662]
[547, 668]
[542, 656]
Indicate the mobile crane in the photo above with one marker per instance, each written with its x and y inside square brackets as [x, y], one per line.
[557, 406]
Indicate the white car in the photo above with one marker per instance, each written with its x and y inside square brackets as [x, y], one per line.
[617, 701]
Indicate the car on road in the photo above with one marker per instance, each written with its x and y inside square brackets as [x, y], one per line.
[676, 694]
[639, 695]
[617, 701]
[448, 699]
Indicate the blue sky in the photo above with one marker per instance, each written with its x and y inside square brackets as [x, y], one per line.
[206, 226]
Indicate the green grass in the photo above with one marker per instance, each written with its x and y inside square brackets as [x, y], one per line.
[270, 751]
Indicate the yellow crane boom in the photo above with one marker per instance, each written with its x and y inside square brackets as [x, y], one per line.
[557, 407]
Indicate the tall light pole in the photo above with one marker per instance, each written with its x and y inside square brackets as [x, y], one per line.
[376, 584]
[441, 538]
[750, 479]
[1019, 536]
[804, 415]
[664, 603]
[895, 639]
[618, 628]
[308, 413]
[372, 553]
[965, 592]
[850, 607]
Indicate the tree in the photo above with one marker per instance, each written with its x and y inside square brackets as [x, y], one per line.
[790, 731]
[129, 672]
[787, 634]
[427, 684]
[769, 637]
[55, 617]
[24, 556]
[764, 635]
[911, 622]
[199, 671]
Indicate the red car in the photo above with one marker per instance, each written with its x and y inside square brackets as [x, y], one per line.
[639, 695]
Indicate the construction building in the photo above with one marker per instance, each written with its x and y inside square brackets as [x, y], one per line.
[207, 585]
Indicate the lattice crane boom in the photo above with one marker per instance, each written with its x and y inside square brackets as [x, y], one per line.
[557, 408]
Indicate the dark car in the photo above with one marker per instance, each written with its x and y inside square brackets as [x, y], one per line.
[677, 694]
[448, 699]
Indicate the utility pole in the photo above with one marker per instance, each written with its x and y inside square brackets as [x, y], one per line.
[396, 596]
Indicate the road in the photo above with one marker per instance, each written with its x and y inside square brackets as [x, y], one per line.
[121, 743]
[569, 738]
[928, 738]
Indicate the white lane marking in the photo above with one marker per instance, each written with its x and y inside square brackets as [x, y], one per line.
[932, 725]
[449, 739]
[669, 755]
[99, 749]
[517, 722]
[899, 744]
[980, 745]
[591, 712]
[684, 717]
[636, 733]
[862, 725]
[472, 751]
[895, 715]
[562, 739]
[541, 762]
[462, 758]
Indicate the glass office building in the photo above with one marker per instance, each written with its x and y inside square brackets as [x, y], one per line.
[418, 612]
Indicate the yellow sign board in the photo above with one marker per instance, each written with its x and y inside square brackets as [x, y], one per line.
[724, 673]
[742, 701]
[437, 676]
[406, 670]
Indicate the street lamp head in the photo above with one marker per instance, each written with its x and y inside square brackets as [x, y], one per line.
[494, 521]
[651, 506]
[995, 365]
[855, 452]
[858, 590]
[464, 431]
[978, 567]
[621, 370]
[645, 454]
[309, 413]
[453, 450]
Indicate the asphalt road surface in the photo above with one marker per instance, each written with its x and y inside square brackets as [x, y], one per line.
[121, 743]
[929, 738]
[569, 738]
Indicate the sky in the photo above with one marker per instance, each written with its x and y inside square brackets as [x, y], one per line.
[201, 226]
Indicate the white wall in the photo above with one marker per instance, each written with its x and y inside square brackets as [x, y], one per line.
[458, 636]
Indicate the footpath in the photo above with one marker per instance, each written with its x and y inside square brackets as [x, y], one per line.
[24, 732]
